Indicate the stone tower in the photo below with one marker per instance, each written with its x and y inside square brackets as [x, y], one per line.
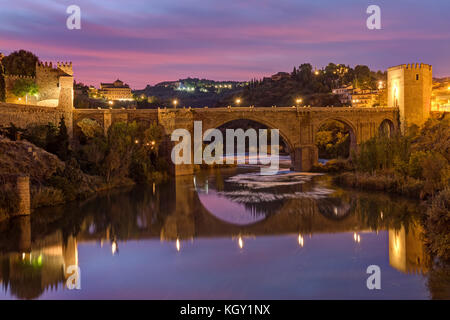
[56, 84]
[409, 89]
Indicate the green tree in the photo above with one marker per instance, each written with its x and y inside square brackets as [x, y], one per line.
[20, 63]
[25, 87]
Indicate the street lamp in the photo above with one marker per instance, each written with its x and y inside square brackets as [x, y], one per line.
[298, 101]
[238, 101]
[175, 102]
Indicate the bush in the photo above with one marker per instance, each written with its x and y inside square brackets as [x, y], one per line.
[9, 200]
[46, 196]
[438, 225]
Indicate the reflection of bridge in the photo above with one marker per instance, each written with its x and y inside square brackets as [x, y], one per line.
[176, 213]
[297, 125]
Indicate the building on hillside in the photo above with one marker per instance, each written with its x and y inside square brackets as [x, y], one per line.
[365, 99]
[440, 96]
[280, 75]
[345, 94]
[115, 91]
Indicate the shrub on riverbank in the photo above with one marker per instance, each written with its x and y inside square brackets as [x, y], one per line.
[334, 166]
[9, 200]
[391, 183]
[46, 196]
[437, 223]
[416, 164]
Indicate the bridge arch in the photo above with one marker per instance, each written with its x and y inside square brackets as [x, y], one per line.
[352, 130]
[386, 128]
[282, 132]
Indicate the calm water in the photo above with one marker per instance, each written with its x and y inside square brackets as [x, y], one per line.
[223, 234]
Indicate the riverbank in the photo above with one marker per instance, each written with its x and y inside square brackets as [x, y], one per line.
[52, 181]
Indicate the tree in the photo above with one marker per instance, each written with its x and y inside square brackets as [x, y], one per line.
[58, 140]
[20, 63]
[2, 84]
[25, 87]
[63, 140]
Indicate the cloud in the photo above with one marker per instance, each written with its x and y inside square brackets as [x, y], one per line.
[148, 42]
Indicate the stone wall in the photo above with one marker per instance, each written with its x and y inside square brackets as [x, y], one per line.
[25, 115]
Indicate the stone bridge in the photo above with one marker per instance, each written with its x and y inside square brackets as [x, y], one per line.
[298, 126]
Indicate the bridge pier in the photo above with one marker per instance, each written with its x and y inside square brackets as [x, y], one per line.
[303, 158]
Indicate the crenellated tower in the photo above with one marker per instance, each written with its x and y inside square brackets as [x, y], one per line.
[409, 89]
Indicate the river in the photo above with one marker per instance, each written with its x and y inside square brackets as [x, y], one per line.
[221, 234]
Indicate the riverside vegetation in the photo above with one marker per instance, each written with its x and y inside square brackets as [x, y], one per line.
[416, 165]
[60, 171]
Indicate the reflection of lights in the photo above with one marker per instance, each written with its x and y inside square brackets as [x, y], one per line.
[335, 211]
[241, 242]
[114, 247]
[381, 215]
[23, 255]
[356, 237]
[153, 188]
[300, 240]
[178, 245]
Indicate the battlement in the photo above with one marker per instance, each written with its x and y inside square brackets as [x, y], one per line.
[47, 67]
[412, 66]
[16, 77]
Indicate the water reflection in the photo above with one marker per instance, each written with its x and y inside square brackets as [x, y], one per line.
[35, 253]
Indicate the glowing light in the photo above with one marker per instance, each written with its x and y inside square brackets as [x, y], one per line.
[111, 102]
[299, 100]
[316, 72]
[300, 240]
[136, 141]
[178, 245]
[241, 242]
[175, 102]
[153, 143]
[114, 247]
[238, 101]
